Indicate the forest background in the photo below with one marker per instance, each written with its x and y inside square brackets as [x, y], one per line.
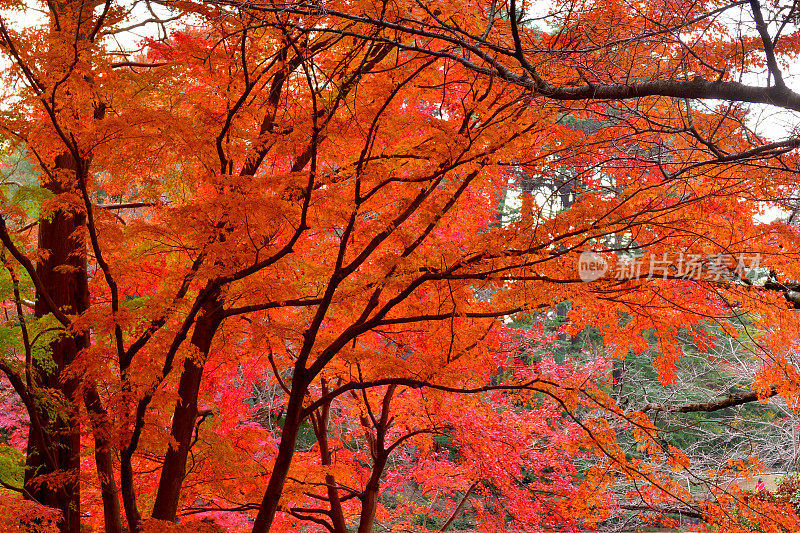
[316, 265]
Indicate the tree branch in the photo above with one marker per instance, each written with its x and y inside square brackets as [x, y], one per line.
[732, 400]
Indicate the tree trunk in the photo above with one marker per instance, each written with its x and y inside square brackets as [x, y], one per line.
[62, 268]
[380, 454]
[128, 493]
[185, 414]
[103, 457]
[321, 429]
[291, 427]
[369, 500]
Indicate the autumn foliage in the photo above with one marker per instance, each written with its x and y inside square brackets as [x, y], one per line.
[286, 266]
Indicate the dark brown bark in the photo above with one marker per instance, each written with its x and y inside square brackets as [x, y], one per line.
[283, 460]
[61, 268]
[185, 414]
[132, 514]
[104, 459]
[380, 454]
[687, 512]
[137, 419]
[732, 400]
[337, 515]
[369, 499]
[320, 421]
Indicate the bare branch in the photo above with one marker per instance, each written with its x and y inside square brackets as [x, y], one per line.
[731, 400]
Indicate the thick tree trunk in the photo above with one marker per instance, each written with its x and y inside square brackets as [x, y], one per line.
[132, 515]
[380, 454]
[369, 500]
[337, 515]
[103, 457]
[62, 269]
[291, 427]
[185, 414]
[321, 429]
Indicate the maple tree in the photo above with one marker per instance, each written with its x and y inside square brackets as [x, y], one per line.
[303, 204]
